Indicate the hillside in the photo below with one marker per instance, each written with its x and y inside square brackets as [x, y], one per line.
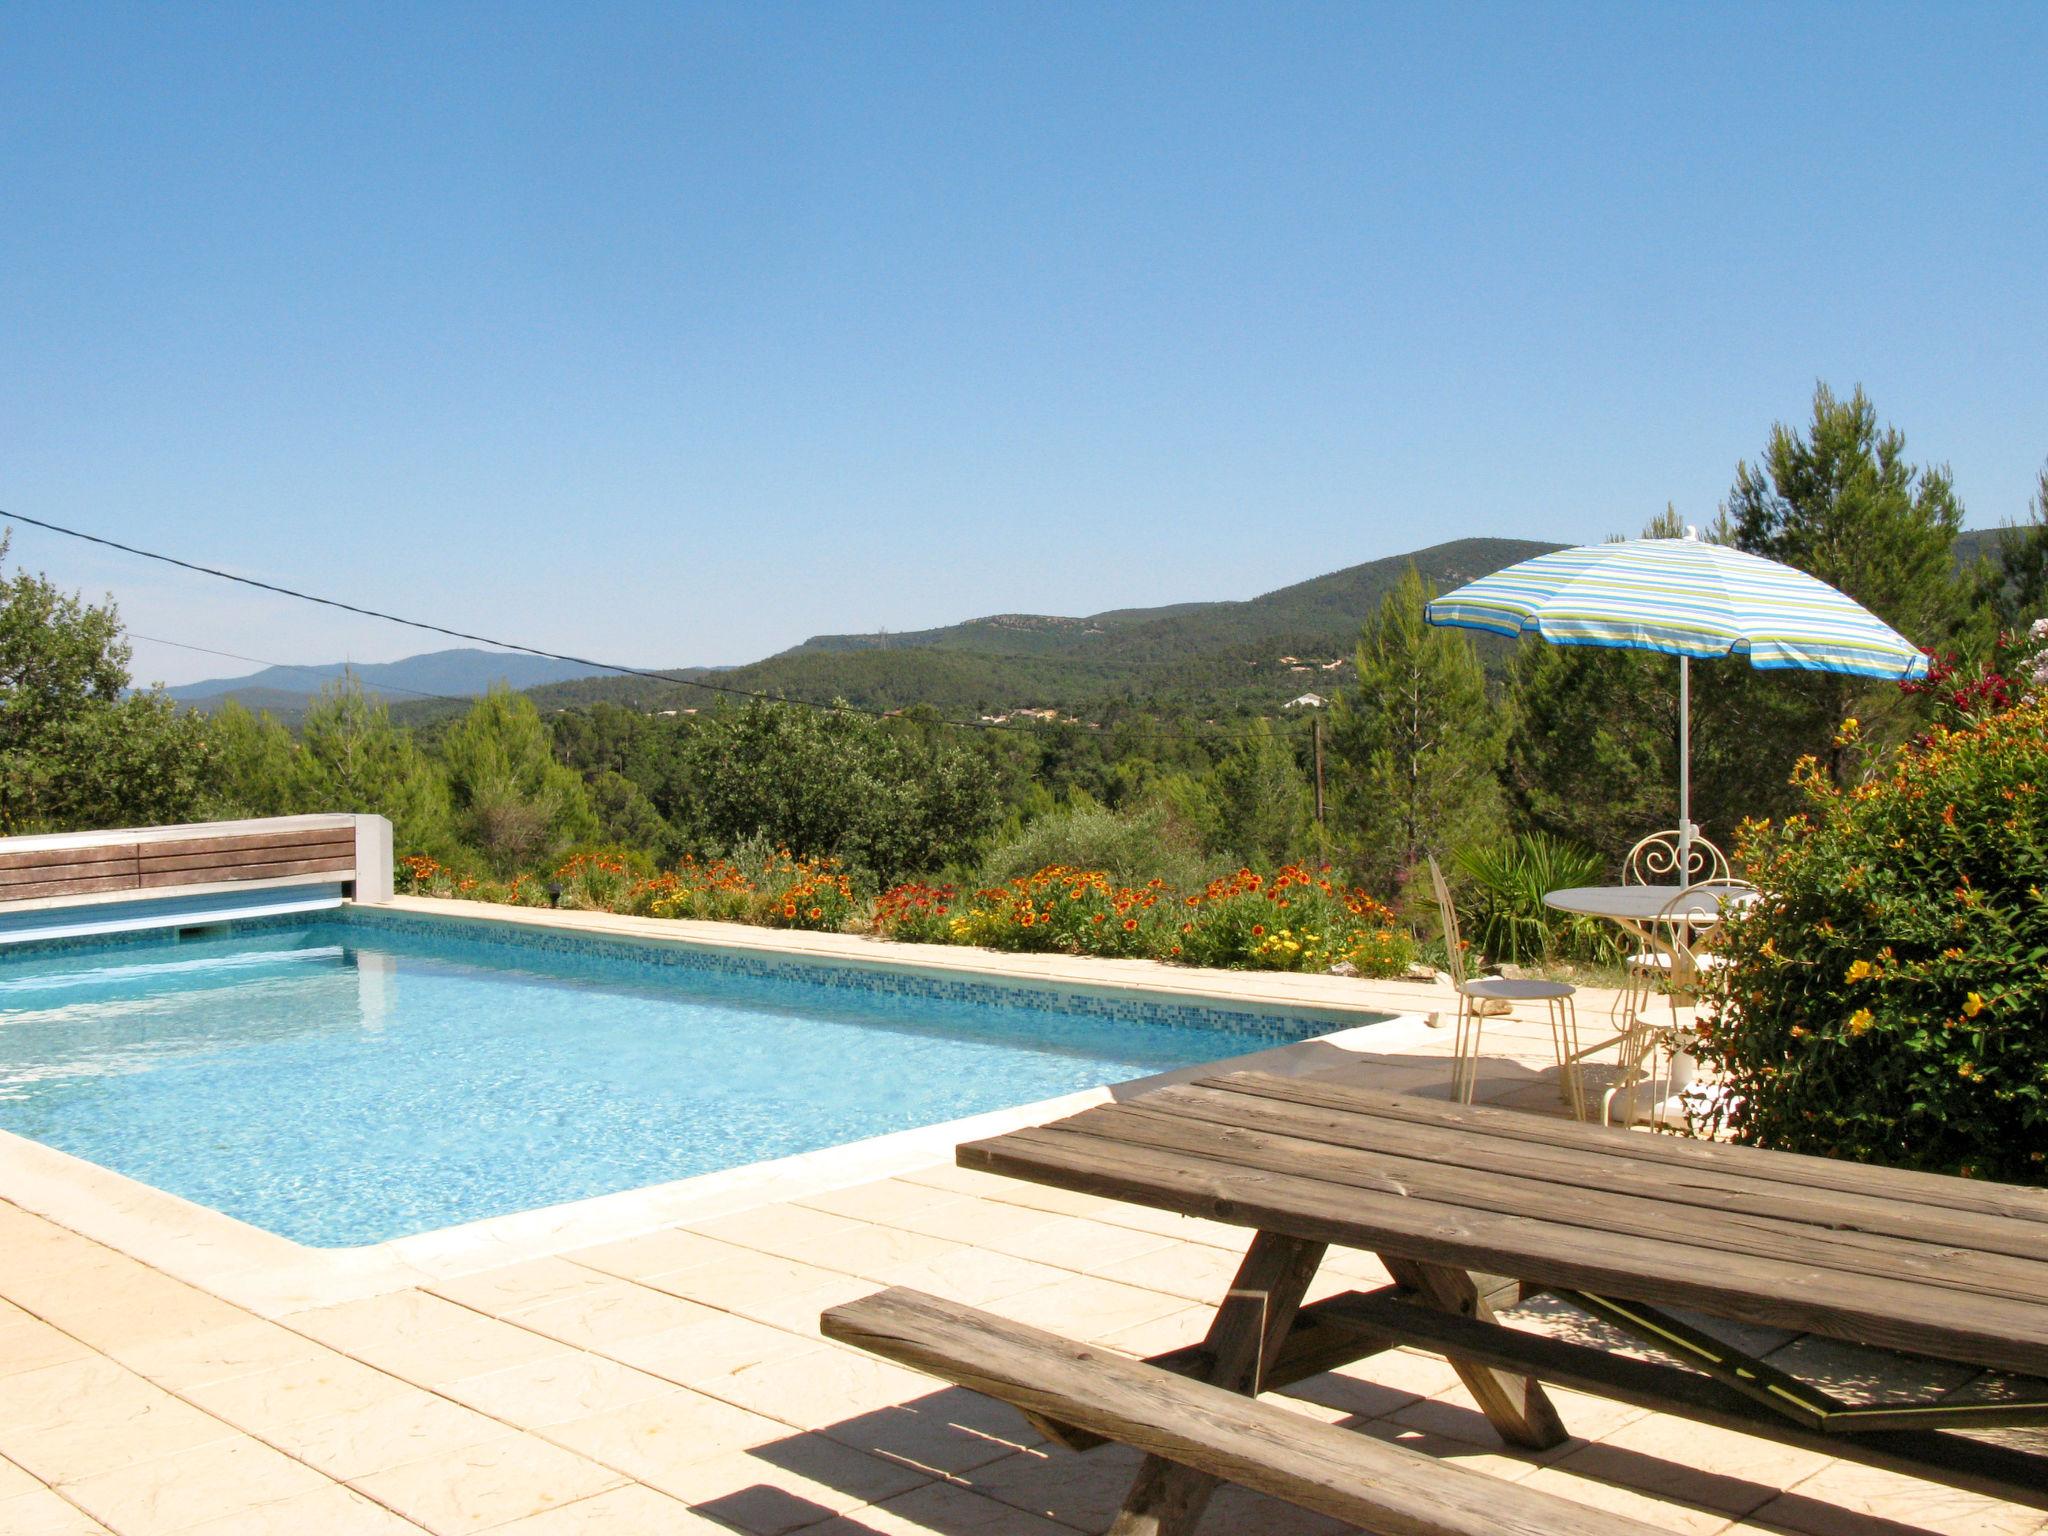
[457, 673]
[1200, 658]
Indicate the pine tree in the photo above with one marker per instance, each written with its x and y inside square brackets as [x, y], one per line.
[1843, 504]
[2023, 564]
[1416, 744]
[352, 758]
[253, 762]
[1260, 799]
[513, 802]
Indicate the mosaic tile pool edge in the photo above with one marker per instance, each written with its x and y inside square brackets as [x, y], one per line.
[1279, 1022]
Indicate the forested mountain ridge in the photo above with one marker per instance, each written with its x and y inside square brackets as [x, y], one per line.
[1329, 607]
[1198, 658]
[1193, 658]
[457, 672]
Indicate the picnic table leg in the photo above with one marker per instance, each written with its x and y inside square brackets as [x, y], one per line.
[1516, 1406]
[1167, 1499]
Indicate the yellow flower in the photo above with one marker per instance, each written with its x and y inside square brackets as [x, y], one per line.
[1974, 1005]
[1861, 970]
[1860, 1021]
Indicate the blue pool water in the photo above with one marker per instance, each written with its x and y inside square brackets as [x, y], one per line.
[343, 1080]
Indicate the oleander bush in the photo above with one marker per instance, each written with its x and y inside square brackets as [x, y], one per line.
[1884, 999]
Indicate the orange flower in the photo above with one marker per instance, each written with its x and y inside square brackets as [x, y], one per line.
[1258, 930]
[1130, 923]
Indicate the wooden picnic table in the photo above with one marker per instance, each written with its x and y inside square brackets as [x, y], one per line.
[1470, 1208]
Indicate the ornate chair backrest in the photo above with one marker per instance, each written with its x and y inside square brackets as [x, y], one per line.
[1453, 949]
[1691, 933]
[1654, 861]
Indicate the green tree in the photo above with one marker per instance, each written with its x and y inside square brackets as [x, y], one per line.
[512, 801]
[1416, 744]
[2022, 595]
[352, 758]
[894, 797]
[254, 762]
[77, 751]
[1842, 503]
[626, 816]
[1593, 755]
[1261, 799]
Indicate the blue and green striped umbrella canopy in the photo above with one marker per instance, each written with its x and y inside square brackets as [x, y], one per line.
[1685, 598]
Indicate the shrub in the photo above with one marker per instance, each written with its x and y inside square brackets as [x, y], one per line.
[712, 890]
[915, 913]
[888, 796]
[1129, 849]
[597, 881]
[1297, 919]
[1064, 911]
[804, 893]
[1882, 1000]
[1505, 916]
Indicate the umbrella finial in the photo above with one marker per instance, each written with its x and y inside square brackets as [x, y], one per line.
[1692, 534]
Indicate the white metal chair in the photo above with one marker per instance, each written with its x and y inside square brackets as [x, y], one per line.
[1685, 953]
[1655, 860]
[1473, 992]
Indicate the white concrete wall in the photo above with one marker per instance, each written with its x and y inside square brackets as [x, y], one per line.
[373, 859]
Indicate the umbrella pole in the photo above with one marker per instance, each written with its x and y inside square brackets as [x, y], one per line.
[1684, 770]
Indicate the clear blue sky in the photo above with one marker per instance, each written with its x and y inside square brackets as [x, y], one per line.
[675, 334]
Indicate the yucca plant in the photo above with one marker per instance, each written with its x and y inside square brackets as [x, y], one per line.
[1504, 914]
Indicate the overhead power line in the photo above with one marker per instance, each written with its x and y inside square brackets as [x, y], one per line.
[729, 689]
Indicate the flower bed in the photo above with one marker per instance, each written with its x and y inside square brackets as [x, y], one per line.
[1296, 919]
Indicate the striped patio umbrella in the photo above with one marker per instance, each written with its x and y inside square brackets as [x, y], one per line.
[1688, 599]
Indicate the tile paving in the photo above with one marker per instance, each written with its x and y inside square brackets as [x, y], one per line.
[675, 1383]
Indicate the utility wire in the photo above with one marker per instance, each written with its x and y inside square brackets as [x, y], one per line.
[580, 661]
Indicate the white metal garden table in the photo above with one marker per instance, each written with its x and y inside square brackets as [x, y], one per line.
[1641, 911]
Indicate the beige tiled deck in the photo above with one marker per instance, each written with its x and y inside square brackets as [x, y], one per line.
[675, 1382]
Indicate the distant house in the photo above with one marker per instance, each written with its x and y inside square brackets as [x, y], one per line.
[1307, 701]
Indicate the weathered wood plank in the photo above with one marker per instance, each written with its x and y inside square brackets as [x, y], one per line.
[166, 877]
[1507, 1191]
[1337, 1472]
[56, 874]
[1168, 1496]
[229, 842]
[1609, 1173]
[64, 858]
[1961, 1461]
[40, 890]
[1514, 1404]
[228, 858]
[1317, 1343]
[1875, 1308]
[1931, 1189]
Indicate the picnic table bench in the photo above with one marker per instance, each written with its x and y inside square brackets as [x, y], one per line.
[1471, 1209]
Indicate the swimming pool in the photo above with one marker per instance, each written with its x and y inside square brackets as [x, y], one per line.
[357, 1076]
